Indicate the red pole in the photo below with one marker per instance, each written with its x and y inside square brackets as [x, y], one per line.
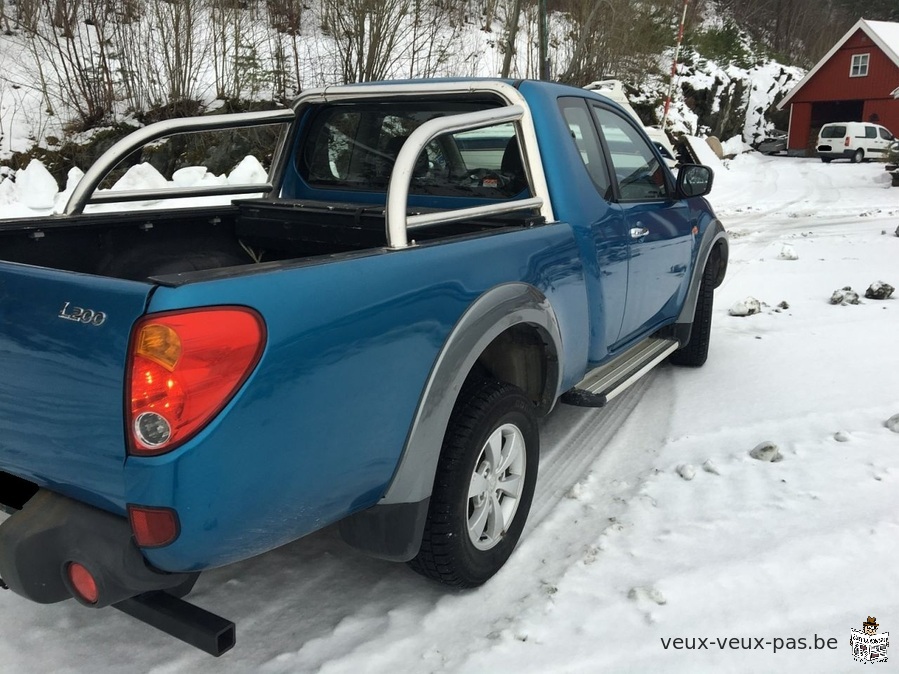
[680, 38]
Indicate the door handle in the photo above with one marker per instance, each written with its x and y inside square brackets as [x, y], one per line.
[639, 232]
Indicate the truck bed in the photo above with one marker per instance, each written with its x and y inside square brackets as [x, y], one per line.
[156, 243]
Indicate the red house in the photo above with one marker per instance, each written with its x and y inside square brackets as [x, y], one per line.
[854, 82]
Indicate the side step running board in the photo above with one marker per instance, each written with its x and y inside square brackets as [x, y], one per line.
[611, 379]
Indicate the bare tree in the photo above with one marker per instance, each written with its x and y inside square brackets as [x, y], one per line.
[433, 30]
[77, 54]
[7, 28]
[285, 17]
[513, 20]
[367, 36]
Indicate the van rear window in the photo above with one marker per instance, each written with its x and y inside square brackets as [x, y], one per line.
[833, 132]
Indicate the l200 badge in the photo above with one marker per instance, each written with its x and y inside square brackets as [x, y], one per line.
[81, 315]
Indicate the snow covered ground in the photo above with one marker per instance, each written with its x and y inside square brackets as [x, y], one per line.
[652, 522]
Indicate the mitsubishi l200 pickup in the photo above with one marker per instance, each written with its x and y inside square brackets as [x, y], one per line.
[370, 341]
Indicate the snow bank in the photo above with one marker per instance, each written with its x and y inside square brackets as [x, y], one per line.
[36, 187]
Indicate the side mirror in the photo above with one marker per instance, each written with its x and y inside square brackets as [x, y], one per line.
[694, 180]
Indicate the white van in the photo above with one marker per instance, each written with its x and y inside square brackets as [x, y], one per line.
[855, 141]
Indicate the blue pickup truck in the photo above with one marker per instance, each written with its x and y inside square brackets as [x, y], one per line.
[369, 340]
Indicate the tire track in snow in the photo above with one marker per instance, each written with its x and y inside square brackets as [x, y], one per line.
[609, 447]
[576, 438]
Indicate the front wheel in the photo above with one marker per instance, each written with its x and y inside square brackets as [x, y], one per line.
[695, 353]
[483, 487]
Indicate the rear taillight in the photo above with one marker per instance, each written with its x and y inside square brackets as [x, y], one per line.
[184, 368]
[846, 142]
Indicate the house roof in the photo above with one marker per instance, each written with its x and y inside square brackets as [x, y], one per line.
[885, 34]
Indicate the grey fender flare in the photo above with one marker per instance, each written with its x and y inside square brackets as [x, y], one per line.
[714, 236]
[392, 529]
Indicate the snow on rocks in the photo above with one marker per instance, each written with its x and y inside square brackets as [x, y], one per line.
[746, 307]
[766, 451]
[248, 172]
[37, 188]
[844, 296]
[73, 177]
[840, 436]
[647, 594]
[734, 146]
[710, 467]
[879, 291]
[189, 176]
[893, 423]
[787, 252]
[686, 471]
[140, 177]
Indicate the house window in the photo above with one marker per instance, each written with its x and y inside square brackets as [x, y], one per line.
[859, 66]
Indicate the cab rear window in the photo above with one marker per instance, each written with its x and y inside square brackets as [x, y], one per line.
[354, 147]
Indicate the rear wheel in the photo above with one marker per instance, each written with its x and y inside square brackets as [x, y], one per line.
[826, 160]
[483, 487]
[859, 156]
[695, 353]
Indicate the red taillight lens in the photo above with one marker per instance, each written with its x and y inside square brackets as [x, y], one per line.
[185, 367]
[153, 527]
[846, 142]
[83, 582]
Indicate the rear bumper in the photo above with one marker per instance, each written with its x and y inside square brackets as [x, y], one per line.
[38, 542]
[836, 154]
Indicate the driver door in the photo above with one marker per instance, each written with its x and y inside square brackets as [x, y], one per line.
[659, 228]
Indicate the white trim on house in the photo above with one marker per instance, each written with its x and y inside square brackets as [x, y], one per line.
[858, 67]
[884, 34]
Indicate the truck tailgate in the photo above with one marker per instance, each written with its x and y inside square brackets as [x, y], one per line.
[63, 343]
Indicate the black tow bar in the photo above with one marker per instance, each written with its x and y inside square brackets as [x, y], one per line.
[181, 619]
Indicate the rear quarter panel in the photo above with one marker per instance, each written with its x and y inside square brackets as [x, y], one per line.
[316, 432]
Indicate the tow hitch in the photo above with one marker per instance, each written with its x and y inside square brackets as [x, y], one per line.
[56, 548]
[181, 619]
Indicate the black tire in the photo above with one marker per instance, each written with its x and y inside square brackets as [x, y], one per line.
[448, 551]
[827, 160]
[859, 156]
[695, 353]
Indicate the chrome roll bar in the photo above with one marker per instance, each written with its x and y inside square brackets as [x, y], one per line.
[84, 192]
[398, 221]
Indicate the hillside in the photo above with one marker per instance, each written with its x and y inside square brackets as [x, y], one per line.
[70, 69]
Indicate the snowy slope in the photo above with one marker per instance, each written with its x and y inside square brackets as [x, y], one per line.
[622, 552]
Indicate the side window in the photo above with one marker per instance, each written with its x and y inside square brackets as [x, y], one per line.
[870, 132]
[886, 135]
[639, 173]
[583, 134]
